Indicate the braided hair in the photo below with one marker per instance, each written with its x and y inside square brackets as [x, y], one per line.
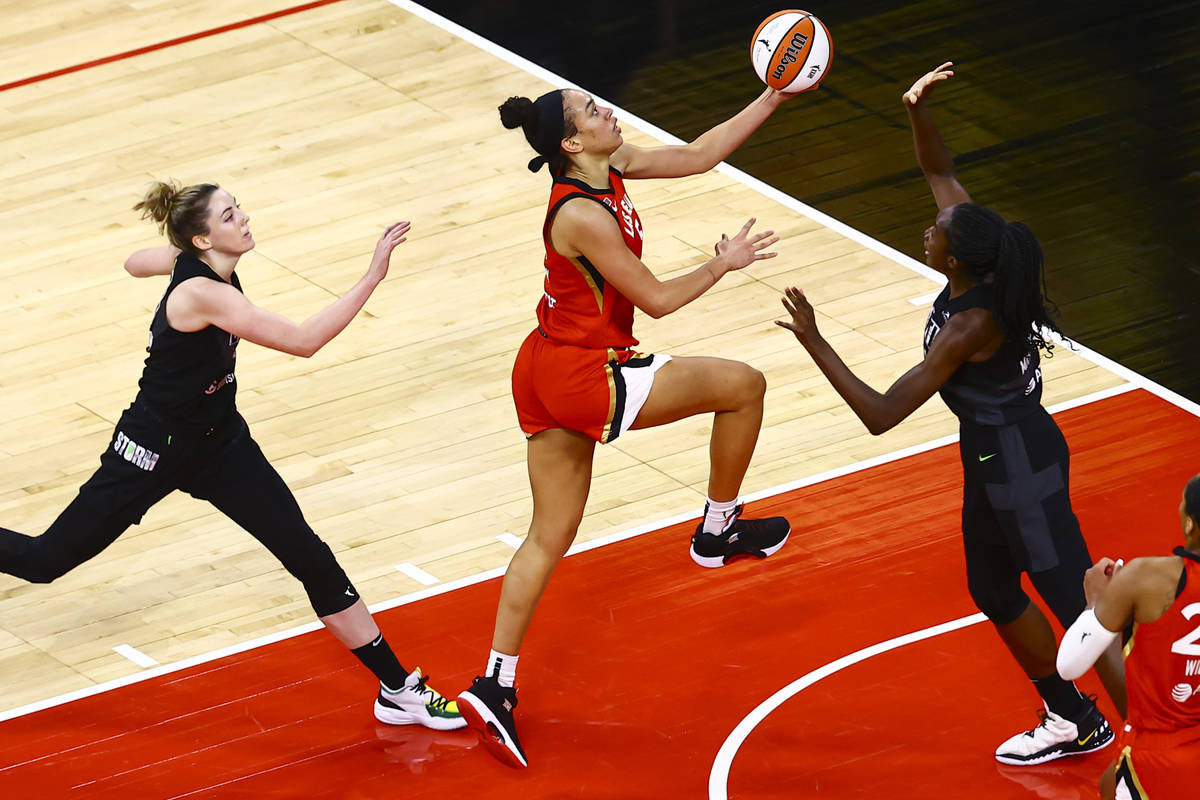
[545, 126]
[1009, 254]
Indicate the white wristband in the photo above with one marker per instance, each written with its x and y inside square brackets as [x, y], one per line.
[1082, 644]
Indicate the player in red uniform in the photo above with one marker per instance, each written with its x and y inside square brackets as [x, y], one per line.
[577, 379]
[1159, 749]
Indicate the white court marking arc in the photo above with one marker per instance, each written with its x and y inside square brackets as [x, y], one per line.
[718, 777]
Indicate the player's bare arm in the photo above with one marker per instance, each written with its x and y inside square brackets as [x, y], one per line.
[705, 152]
[932, 153]
[963, 336]
[152, 261]
[584, 228]
[197, 303]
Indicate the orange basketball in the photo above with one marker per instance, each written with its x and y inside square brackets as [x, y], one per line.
[791, 51]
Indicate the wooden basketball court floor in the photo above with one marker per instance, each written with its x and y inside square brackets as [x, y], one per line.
[328, 122]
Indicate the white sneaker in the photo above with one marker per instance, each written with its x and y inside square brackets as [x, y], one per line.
[1056, 737]
[417, 704]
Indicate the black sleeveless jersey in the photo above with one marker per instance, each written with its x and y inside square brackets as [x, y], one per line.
[999, 391]
[189, 376]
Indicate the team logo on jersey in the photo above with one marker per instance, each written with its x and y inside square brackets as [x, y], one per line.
[550, 301]
[933, 327]
[631, 225]
[134, 453]
[218, 385]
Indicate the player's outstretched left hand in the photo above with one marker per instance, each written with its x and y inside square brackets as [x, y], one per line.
[804, 319]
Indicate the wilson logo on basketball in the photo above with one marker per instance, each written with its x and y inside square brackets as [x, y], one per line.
[794, 49]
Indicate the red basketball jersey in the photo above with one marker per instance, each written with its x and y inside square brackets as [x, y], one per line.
[579, 307]
[1162, 665]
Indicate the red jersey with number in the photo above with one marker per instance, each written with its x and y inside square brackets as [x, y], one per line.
[579, 307]
[1162, 668]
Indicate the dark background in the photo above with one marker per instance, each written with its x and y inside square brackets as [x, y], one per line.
[1080, 119]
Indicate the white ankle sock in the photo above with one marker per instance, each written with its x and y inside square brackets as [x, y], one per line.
[718, 515]
[502, 667]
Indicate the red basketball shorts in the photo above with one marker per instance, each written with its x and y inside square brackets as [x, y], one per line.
[1157, 767]
[596, 391]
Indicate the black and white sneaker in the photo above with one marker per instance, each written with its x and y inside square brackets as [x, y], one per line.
[750, 537]
[487, 706]
[416, 703]
[1057, 737]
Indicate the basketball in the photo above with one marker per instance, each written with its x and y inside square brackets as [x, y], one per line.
[791, 51]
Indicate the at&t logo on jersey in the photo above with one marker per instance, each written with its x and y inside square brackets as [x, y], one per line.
[1182, 692]
[134, 453]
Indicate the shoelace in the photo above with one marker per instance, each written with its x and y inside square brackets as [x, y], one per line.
[435, 700]
[1044, 721]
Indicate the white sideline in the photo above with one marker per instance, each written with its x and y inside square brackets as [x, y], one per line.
[468, 580]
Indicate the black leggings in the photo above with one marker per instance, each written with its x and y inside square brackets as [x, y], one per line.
[148, 458]
[1017, 518]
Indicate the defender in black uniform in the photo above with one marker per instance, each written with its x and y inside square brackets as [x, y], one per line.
[981, 353]
[183, 431]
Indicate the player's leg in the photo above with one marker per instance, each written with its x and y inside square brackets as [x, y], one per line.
[1062, 589]
[1108, 782]
[137, 470]
[79, 533]
[733, 392]
[560, 475]
[1061, 585]
[1007, 530]
[239, 481]
[730, 390]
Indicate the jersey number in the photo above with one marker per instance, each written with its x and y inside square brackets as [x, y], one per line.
[1187, 645]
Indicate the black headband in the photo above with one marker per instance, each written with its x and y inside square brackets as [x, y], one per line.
[547, 137]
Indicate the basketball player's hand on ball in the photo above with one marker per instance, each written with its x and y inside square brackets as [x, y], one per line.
[743, 250]
[804, 319]
[925, 83]
[391, 237]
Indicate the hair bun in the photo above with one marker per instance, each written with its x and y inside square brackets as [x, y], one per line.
[158, 200]
[516, 112]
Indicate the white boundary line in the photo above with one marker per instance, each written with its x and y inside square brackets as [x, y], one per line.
[718, 778]
[1135, 381]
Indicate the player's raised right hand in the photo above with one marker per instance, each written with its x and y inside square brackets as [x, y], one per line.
[394, 235]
